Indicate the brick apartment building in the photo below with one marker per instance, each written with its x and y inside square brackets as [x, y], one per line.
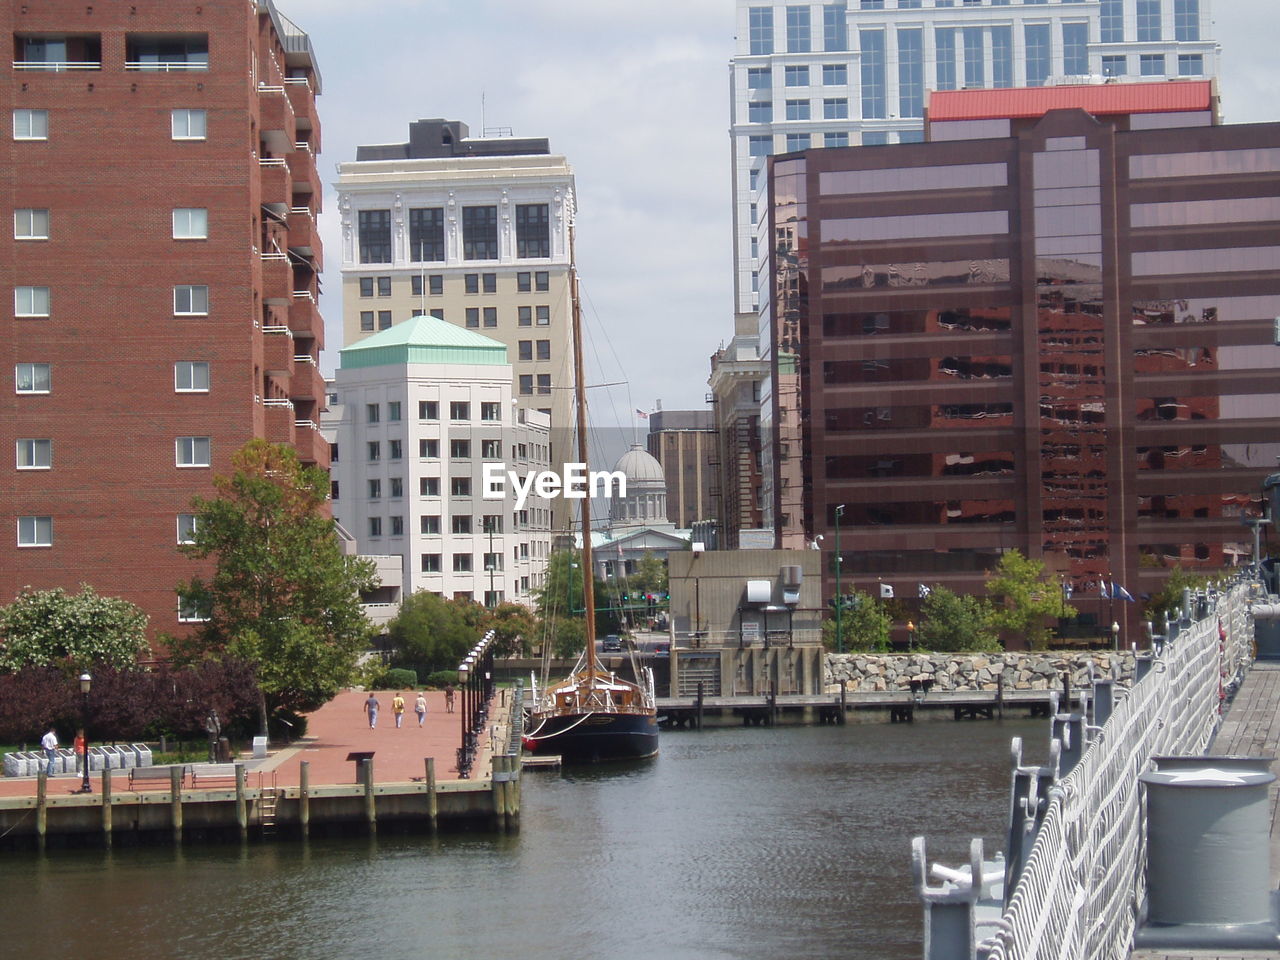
[162, 189]
[1050, 328]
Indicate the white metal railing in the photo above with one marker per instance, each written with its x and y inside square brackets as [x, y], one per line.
[303, 210]
[278, 329]
[1078, 895]
[298, 81]
[274, 256]
[306, 424]
[57, 66]
[304, 358]
[302, 145]
[272, 162]
[304, 295]
[269, 88]
[277, 402]
[165, 66]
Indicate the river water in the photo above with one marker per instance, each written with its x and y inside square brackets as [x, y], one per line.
[734, 843]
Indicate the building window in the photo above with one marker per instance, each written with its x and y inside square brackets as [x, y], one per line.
[431, 563]
[397, 526]
[429, 449]
[1038, 67]
[915, 4]
[460, 449]
[533, 231]
[148, 52]
[366, 321]
[835, 35]
[490, 412]
[192, 451]
[460, 524]
[462, 563]
[835, 109]
[366, 287]
[333, 489]
[1151, 64]
[32, 377]
[30, 124]
[428, 486]
[35, 531]
[796, 76]
[974, 68]
[760, 146]
[491, 449]
[872, 4]
[186, 528]
[437, 314]
[429, 525]
[911, 73]
[191, 376]
[375, 235]
[1111, 21]
[30, 224]
[1075, 49]
[473, 316]
[1190, 65]
[828, 140]
[187, 124]
[34, 454]
[459, 410]
[1114, 66]
[835, 75]
[372, 413]
[525, 350]
[395, 449]
[875, 138]
[544, 349]
[541, 281]
[1186, 21]
[191, 300]
[799, 39]
[375, 489]
[524, 282]
[384, 286]
[428, 410]
[490, 316]
[333, 450]
[374, 449]
[426, 235]
[526, 384]
[190, 611]
[944, 41]
[493, 561]
[544, 384]
[1148, 20]
[393, 410]
[375, 526]
[459, 486]
[479, 233]
[1002, 57]
[543, 315]
[471, 283]
[397, 487]
[760, 30]
[190, 223]
[759, 78]
[384, 319]
[31, 301]
[797, 109]
[795, 143]
[524, 316]
[873, 73]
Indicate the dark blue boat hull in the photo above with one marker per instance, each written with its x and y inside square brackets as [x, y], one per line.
[598, 738]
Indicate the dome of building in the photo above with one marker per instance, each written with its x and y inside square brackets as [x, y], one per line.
[645, 503]
[640, 466]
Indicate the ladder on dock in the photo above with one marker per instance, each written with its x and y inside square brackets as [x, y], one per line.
[268, 802]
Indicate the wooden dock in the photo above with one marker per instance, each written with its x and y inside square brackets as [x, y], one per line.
[1250, 728]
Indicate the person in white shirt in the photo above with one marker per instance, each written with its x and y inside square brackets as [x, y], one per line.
[420, 708]
[50, 743]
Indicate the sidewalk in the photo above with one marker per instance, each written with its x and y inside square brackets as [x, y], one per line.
[335, 730]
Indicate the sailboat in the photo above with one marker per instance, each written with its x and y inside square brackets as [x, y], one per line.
[592, 715]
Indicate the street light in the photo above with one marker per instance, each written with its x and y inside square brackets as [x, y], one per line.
[86, 683]
[1115, 635]
[839, 601]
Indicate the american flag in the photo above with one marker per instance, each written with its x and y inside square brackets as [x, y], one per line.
[641, 414]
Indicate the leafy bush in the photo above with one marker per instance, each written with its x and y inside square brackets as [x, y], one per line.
[437, 680]
[398, 678]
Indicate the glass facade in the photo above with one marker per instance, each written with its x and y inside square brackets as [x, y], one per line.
[1002, 57]
[799, 36]
[1186, 19]
[911, 72]
[873, 73]
[974, 65]
[1036, 37]
[835, 35]
[426, 234]
[760, 30]
[1111, 21]
[944, 41]
[1075, 49]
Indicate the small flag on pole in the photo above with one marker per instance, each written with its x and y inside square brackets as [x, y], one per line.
[1102, 587]
[640, 414]
[886, 591]
[924, 590]
[1120, 593]
[1067, 589]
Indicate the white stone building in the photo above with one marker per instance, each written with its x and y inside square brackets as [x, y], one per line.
[415, 414]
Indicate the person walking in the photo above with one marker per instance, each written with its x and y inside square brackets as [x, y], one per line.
[50, 743]
[420, 707]
[371, 710]
[448, 698]
[78, 746]
[397, 707]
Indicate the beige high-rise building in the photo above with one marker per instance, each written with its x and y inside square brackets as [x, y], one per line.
[472, 230]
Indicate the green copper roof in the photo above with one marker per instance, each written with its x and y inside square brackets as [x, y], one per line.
[423, 340]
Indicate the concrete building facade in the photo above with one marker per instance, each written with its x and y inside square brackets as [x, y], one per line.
[684, 442]
[162, 259]
[419, 411]
[1050, 329]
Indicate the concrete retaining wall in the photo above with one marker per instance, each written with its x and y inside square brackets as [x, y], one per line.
[868, 672]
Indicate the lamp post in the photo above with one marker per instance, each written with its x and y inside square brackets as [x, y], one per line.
[463, 679]
[911, 635]
[1115, 635]
[86, 683]
[839, 599]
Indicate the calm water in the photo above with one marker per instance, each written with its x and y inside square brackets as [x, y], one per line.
[734, 843]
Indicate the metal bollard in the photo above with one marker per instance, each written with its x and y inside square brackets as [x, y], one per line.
[949, 908]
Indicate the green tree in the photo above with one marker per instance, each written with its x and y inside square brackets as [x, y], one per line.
[951, 622]
[55, 627]
[514, 629]
[560, 596]
[431, 633]
[1170, 595]
[1025, 598]
[650, 575]
[282, 595]
[864, 625]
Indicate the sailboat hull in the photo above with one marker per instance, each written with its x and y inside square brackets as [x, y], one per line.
[595, 737]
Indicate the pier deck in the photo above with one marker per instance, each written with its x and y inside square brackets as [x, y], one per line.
[1250, 728]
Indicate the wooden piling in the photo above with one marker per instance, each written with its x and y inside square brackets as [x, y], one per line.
[509, 793]
[433, 802]
[304, 798]
[106, 808]
[370, 805]
[175, 802]
[242, 806]
[42, 791]
[844, 704]
[698, 715]
[499, 801]
[1000, 694]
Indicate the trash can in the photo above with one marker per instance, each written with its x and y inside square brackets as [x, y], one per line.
[259, 748]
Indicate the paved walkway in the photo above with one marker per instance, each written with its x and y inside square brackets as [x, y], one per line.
[335, 730]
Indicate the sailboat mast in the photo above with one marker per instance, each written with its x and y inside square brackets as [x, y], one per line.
[580, 393]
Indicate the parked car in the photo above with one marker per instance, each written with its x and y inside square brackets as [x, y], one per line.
[612, 644]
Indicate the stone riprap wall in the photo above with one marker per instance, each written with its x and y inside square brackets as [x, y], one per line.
[878, 673]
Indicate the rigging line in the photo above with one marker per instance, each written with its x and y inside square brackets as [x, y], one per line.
[597, 325]
[609, 341]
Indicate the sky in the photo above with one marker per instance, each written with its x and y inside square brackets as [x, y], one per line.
[635, 93]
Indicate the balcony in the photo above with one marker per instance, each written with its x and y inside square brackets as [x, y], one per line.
[276, 114]
[58, 53]
[307, 383]
[278, 352]
[277, 277]
[312, 447]
[302, 101]
[280, 419]
[277, 186]
[303, 236]
[306, 178]
[304, 317]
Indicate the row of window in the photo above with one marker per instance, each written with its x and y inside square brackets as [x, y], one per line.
[490, 411]
[525, 317]
[185, 123]
[427, 487]
[429, 449]
[38, 531]
[1148, 22]
[479, 233]
[190, 300]
[189, 223]
[526, 282]
[189, 376]
[145, 52]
